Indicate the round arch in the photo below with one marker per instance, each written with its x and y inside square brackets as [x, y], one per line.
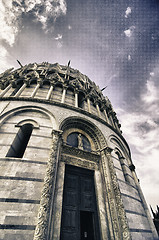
[117, 142]
[29, 108]
[86, 127]
[28, 121]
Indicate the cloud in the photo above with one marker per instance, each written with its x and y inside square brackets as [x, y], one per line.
[141, 130]
[127, 12]
[43, 11]
[4, 59]
[59, 40]
[152, 74]
[129, 57]
[152, 93]
[59, 36]
[7, 28]
[69, 27]
[11, 15]
[59, 44]
[129, 31]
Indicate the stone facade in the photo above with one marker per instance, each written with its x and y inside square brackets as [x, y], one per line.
[58, 101]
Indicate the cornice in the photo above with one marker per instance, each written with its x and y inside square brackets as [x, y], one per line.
[63, 105]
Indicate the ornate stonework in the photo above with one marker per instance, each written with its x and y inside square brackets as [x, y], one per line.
[87, 136]
[119, 224]
[56, 74]
[48, 188]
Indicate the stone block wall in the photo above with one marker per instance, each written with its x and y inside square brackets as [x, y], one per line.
[22, 179]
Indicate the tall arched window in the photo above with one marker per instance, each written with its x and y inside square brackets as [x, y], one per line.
[81, 100]
[20, 142]
[78, 140]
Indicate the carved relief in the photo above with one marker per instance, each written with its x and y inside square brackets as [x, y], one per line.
[48, 188]
[79, 162]
[118, 225]
[55, 73]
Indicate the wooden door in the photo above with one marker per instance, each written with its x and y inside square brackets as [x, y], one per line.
[79, 216]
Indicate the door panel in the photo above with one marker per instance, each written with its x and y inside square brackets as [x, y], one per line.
[79, 214]
[87, 226]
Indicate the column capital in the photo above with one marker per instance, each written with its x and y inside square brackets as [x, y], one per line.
[14, 84]
[76, 90]
[107, 150]
[40, 82]
[52, 83]
[57, 132]
[65, 87]
[97, 101]
[26, 81]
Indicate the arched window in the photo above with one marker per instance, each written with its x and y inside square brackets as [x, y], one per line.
[20, 142]
[123, 165]
[78, 140]
[81, 100]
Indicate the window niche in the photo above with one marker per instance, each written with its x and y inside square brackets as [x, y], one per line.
[123, 166]
[81, 99]
[20, 141]
[78, 140]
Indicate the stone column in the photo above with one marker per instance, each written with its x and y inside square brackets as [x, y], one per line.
[111, 119]
[89, 105]
[106, 117]
[117, 221]
[35, 90]
[49, 92]
[5, 90]
[76, 99]
[63, 95]
[48, 191]
[98, 110]
[20, 90]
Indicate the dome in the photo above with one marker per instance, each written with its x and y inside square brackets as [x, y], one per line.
[66, 169]
[59, 77]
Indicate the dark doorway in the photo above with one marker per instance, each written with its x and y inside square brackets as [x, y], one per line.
[79, 213]
[87, 226]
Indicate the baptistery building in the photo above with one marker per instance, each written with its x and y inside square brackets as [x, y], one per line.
[66, 170]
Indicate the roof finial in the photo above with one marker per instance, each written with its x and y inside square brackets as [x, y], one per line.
[20, 63]
[69, 63]
[103, 88]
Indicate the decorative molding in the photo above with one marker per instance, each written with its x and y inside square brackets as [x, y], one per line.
[70, 160]
[107, 150]
[119, 220]
[53, 74]
[38, 100]
[118, 225]
[48, 190]
[28, 121]
[69, 150]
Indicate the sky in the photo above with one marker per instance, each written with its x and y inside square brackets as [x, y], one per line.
[115, 43]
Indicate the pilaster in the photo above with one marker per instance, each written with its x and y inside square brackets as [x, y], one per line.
[41, 231]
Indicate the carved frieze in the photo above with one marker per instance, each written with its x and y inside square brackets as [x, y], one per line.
[94, 156]
[79, 162]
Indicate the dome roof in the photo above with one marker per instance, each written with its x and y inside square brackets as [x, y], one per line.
[54, 74]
